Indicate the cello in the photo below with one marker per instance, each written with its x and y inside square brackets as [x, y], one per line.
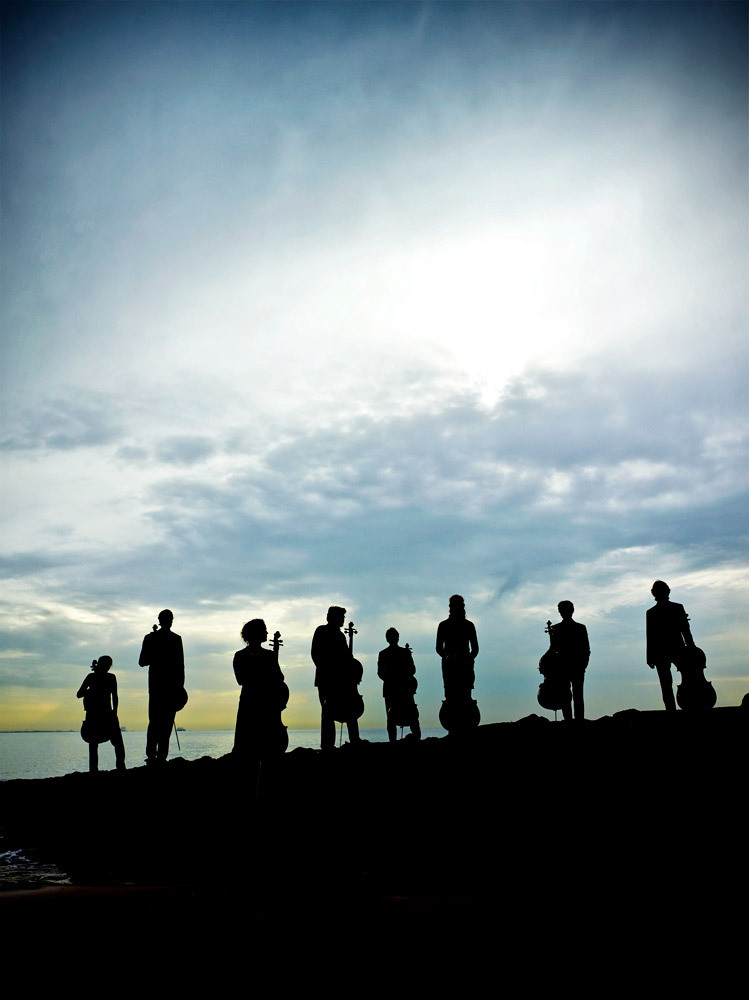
[554, 690]
[283, 691]
[346, 702]
[695, 693]
[404, 711]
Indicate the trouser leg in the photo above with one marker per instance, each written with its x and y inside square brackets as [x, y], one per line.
[327, 724]
[160, 722]
[119, 748]
[577, 698]
[567, 708]
[93, 756]
[667, 687]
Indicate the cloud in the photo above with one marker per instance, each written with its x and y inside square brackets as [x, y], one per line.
[64, 425]
[184, 450]
[370, 304]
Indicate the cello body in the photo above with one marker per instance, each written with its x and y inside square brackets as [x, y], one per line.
[283, 692]
[554, 690]
[345, 702]
[695, 693]
[459, 710]
[457, 715]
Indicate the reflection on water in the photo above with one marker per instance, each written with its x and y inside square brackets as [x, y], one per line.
[24, 869]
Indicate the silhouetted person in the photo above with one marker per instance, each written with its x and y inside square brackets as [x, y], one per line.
[395, 666]
[259, 730]
[458, 646]
[334, 665]
[668, 635]
[163, 655]
[99, 693]
[569, 640]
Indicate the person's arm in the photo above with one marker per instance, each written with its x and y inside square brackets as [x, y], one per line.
[380, 666]
[237, 665]
[686, 632]
[316, 650]
[473, 642]
[181, 663]
[440, 640]
[144, 659]
[115, 698]
[649, 655]
[84, 687]
[585, 645]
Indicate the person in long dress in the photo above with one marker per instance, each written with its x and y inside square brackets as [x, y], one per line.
[258, 732]
[458, 647]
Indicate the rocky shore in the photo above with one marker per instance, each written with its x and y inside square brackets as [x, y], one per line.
[540, 831]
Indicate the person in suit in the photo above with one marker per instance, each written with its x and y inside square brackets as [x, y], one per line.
[336, 675]
[569, 640]
[667, 635]
[162, 653]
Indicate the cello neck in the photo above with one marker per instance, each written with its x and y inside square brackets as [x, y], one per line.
[351, 632]
[276, 643]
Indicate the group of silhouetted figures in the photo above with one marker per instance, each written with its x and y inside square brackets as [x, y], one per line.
[260, 734]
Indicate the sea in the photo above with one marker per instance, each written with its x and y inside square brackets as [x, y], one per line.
[53, 754]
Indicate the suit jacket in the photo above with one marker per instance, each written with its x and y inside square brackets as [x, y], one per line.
[331, 655]
[162, 653]
[667, 632]
[570, 640]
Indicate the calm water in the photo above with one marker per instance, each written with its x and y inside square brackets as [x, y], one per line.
[50, 755]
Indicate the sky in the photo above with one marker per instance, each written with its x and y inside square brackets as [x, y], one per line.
[369, 304]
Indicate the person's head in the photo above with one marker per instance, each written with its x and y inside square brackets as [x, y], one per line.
[336, 615]
[566, 609]
[254, 630]
[102, 665]
[660, 590]
[166, 618]
[457, 605]
[392, 636]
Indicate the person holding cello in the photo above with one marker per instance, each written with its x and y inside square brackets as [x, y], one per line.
[334, 673]
[667, 635]
[396, 670]
[259, 734]
[569, 640]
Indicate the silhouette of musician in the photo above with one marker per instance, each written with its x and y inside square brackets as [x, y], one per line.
[99, 693]
[395, 667]
[668, 635]
[334, 666]
[264, 695]
[569, 640]
[458, 646]
[163, 655]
